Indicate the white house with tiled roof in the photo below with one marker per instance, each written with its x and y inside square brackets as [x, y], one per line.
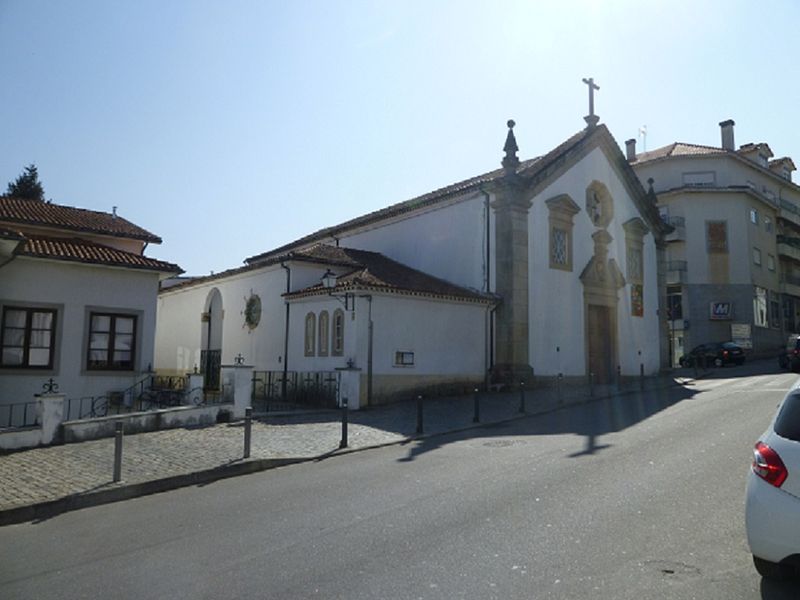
[543, 268]
[77, 302]
[733, 260]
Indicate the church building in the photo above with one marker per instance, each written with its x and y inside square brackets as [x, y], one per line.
[544, 267]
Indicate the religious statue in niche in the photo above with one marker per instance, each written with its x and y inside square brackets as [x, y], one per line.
[593, 207]
[599, 205]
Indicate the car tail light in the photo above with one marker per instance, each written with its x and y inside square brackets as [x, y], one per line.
[768, 465]
[725, 353]
[796, 352]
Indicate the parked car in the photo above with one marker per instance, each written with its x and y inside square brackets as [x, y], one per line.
[790, 357]
[772, 509]
[717, 354]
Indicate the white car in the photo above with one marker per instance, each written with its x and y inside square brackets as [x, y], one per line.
[772, 511]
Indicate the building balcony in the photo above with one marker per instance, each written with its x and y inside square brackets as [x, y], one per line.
[676, 272]
[790, 285]
[789, 211]
[679, 232]
[789, 247]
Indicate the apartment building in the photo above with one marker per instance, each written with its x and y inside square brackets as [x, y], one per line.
[733, 259]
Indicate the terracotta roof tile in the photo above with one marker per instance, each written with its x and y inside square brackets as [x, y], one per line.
[375, 271]
[45, 214]
[677, 149]
[77, 250]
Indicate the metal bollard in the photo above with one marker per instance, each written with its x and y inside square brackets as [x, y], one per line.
[117, 451]
[477, 415]
[559, 379]
[641, 376]
[343, 443]
[248, 427]
[419, 414]
[522, 396]
[591, 384]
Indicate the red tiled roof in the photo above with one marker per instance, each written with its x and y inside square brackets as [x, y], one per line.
[371, 270]
[677, 149]
[45, 214]
[76, 250]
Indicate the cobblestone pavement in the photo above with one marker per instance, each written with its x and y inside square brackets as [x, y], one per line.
[41, 475]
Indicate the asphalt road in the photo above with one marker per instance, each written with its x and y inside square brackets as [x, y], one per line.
[631, 498]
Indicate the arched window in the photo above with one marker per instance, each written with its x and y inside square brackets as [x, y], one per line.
[338, 333]
[311, 323]
[322, 342]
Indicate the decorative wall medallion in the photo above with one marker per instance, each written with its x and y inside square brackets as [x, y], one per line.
[599, 204]
[252, 311]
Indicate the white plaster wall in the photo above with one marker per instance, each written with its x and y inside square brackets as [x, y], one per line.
[71, 288]
[557, 341]
[715, 206]
[178, 333]
[448, 242]
[447, 338]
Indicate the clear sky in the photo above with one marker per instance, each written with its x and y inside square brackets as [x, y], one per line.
[232, 127]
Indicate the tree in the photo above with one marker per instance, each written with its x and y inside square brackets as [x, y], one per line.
[27, 185]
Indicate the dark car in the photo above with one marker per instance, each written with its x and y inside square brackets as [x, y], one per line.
[716, 354]
[790, 357]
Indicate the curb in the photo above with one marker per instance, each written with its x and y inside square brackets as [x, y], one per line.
[46, 510]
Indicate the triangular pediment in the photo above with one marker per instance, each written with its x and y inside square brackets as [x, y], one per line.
[602, 274]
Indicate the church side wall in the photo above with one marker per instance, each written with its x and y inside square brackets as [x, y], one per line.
[74, 290]
[448, 242]
[557, 340]
[179, 330]
[447, 340]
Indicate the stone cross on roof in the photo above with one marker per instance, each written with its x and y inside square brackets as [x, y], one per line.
[591, 119]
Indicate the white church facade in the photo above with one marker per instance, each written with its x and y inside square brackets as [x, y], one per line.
[542, 268]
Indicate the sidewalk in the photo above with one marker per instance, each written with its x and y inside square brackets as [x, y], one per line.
[41, 482]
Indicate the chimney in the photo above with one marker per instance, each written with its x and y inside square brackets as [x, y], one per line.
[630, 149]
[726, 128]
[113, 212]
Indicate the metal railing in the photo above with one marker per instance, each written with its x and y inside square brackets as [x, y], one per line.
[676, 265]
[20, 414]
[677, 221]
[317, 389]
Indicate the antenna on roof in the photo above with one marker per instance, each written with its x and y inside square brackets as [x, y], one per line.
[643, 135]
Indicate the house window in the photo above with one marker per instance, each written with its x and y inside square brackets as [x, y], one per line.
[717, 237]
[562, 210]
[767, 224]
[774, 313]
[403, 359]
[770, 262]
[674, 303]
[28, 338]
[757, 257]
[322, 342]
[338, 333]
[754, 216]
[559, 248]
[311, 325]
[112, 341]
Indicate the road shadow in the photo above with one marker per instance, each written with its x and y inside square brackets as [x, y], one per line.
[591, 419]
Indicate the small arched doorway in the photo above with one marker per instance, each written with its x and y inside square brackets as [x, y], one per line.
[211, 340]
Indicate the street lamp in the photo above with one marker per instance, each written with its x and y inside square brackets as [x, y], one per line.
[329, 280]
